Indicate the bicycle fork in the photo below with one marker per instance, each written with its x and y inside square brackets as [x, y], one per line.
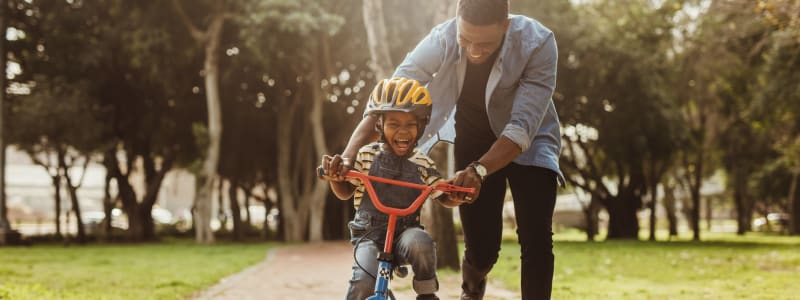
[383, 278]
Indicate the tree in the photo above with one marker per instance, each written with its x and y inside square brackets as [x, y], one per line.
[780, 91]
[210, 41]
[380, 62]
[600, 96]
[299, 81]
[57, 120]
[5, 226]
[45, 127]
[149, 109]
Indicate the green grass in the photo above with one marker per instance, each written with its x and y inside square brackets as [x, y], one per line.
[723, 266]
[170, 270]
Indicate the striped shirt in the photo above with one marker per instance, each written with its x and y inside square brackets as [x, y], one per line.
[366, 155]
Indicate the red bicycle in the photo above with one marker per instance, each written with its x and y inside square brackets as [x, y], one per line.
[385, 258]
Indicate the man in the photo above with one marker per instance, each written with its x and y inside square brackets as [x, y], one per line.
[491, 76]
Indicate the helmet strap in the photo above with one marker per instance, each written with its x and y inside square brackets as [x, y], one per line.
[379, 128]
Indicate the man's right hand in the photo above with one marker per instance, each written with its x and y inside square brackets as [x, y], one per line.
[336, 167]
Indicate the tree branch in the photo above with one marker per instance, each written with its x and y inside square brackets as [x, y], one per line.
[41, 163]
[83, 173]
[196, 33]
[593, 173]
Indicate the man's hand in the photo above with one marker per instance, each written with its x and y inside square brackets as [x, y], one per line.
[467, 178]
[447, 200]
[336, 167]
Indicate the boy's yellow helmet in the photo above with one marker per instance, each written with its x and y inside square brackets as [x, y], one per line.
[401, 94]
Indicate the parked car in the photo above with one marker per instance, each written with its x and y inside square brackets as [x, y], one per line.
[773, 222]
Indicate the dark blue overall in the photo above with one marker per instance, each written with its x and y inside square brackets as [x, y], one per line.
[368, 230]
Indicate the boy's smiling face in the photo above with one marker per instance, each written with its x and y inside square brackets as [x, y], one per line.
[400, 130]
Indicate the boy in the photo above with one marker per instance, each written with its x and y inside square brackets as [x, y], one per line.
[402, 108]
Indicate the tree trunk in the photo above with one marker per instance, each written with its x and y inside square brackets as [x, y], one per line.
[5, 226]
[744, 211]
[268, 205]
[202, 210]
[337, 215]
[210, 39]
[247, 195]
[57, 198]
[380, 59]
[592, 218]
[320, 188]
[293, 215]
[653, 200]
[153, 184]
[622, 221]
[669, 207]
[108, 207]
[73, 195]
[221, 215]
[211, 70]
[126, 193]
[697, 182]
[652, 206]
[439, 219]
[794, 204]
[236, 211]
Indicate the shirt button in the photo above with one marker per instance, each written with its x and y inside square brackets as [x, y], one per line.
[445, 118]
[430, 135]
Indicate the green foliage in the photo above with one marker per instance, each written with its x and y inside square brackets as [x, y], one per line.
[172, 270]
[57, 113]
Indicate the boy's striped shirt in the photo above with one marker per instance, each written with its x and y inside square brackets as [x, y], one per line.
[366, 155]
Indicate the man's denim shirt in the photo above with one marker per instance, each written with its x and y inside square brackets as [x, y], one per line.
[518, 94]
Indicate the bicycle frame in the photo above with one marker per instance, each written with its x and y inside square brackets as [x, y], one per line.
[385, 258]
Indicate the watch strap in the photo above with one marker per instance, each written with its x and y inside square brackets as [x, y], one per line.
[477, 166]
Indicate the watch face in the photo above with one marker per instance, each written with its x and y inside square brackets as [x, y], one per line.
[480, 169]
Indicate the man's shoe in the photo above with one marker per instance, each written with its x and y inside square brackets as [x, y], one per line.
[473, 293]
[427, 297]
[473, 281]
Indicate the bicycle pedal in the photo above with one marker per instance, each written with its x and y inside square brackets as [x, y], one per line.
[401, 272]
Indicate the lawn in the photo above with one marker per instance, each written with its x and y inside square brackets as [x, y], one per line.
[723, 266]
[170, 270]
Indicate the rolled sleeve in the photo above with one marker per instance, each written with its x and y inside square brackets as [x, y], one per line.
[534, 94]
[518, 135]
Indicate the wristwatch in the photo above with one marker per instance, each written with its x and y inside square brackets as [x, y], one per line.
[480, 169]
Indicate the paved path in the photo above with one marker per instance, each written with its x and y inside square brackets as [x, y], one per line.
[318, 271]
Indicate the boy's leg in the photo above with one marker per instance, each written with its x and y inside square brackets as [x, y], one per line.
[416, 247]
[483, 227]
[534, 191]
[362, 285]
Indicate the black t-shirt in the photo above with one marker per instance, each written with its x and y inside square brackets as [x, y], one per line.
[473, 132]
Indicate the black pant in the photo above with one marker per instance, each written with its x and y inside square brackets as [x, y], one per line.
[534, 193]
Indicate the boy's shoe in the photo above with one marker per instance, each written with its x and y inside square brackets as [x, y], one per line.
[427, 297]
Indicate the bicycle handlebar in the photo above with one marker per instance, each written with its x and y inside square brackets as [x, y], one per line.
[426, 190]
[392, 212]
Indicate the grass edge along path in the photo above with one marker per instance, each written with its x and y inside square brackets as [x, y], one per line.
[170, 270]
